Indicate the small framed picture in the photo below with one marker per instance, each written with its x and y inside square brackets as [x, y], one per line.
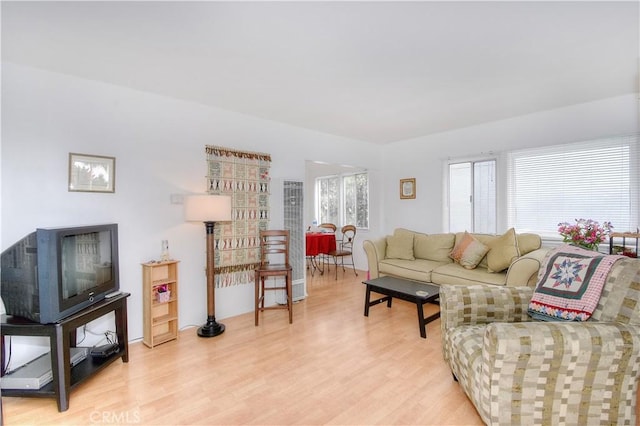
[91, 173]
[407, 188]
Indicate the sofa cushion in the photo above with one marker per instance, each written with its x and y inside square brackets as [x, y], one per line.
[528, 243]
[453, 273]
[468, 251]
[570, 283]
[433, 247]
[417, 270]
[503, 251]
[400, 245]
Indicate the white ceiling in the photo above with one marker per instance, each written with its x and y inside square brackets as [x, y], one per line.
[375, 71]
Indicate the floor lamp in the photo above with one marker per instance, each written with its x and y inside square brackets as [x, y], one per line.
[209, 209]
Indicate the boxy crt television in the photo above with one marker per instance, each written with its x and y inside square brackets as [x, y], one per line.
[53, 273]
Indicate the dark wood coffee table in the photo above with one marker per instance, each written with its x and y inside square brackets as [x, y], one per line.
[411, 291]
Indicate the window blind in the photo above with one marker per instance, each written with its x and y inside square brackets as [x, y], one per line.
[596, 180]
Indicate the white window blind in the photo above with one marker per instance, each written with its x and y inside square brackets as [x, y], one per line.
[596, 180]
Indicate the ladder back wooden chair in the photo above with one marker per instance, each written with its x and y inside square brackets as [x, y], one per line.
[274, 262]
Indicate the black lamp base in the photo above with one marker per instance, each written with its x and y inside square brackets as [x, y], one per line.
[211, 328]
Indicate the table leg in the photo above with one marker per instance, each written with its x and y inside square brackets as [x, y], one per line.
[319, 268]
[314, 265]
[421, 322]
[60, 362]
[367, 298]
[310, 262]
[122, 330]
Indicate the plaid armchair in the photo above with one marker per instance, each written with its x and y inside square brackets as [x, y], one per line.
[519, 371]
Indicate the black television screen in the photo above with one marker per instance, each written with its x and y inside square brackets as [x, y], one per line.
[53, 273]
[85, 263]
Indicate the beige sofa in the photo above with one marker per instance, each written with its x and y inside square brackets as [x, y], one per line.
[515, 258]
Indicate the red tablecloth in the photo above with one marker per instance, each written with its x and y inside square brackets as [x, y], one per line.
[318, 243]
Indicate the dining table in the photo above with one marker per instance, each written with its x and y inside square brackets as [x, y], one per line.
[317, 244]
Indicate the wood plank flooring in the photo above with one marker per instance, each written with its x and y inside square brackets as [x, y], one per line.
[331, 366]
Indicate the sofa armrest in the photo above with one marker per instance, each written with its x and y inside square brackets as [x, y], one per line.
[524, 270]
[375, 251]
[594, 366]
[482, 304]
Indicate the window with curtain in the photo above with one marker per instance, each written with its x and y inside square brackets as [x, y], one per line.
[343, 199]
[472, 196]
[596, 180]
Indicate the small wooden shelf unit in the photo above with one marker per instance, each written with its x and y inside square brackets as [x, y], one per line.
[160, 318]
[627, 248]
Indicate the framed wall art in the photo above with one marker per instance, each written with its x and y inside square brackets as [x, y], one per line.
[407, 188]
[91, 173]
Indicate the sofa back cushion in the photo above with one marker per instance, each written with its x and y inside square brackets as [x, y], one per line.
[400, 245]
[528, 243]
[434, 247]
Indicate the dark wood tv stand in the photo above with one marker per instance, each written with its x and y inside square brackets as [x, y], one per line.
[62, 336]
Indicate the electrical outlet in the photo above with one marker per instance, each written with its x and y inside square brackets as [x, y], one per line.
[177, 199]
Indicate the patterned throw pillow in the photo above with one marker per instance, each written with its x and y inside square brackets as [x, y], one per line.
[570, 283]
[468, 252]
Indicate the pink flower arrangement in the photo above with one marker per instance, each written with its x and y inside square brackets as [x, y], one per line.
[585, 233]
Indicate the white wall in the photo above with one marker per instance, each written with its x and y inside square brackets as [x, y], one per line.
[159, 144]
[423, 158]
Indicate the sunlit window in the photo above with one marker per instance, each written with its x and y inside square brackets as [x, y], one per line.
[472, 196]
[343, 199]
[596, 180]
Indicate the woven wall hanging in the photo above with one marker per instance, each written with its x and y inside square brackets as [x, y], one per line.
[245, 177]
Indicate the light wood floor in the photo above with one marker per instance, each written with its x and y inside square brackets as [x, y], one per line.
[331, 366]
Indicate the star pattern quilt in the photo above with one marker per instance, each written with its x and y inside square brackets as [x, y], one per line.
[570, 283]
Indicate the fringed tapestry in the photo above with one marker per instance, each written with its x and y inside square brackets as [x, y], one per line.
[245, 177]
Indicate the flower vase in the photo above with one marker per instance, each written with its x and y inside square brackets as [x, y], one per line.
[584, 246]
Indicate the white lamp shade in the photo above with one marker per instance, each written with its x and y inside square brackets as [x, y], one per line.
[207, 208]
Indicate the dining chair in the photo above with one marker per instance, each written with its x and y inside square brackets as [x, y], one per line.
[331, 226]
[274, 262]
[324, 258]
[344, 249]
